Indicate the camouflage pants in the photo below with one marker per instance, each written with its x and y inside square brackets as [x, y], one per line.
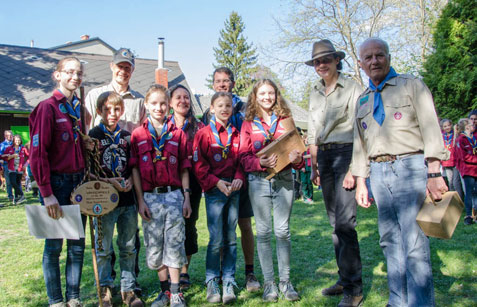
[164, 234]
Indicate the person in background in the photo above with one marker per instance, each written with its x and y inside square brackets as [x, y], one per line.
[305, 175]
[183, 118]
[54, 125]
[466, 163]
[34, 185]
[7, 143]
[17, 156]
[473, 117]
[330, 135]
[266, 109]
[451, 172]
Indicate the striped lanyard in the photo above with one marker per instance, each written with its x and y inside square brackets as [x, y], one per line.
[226, 148]
[273, 127]
[448, 139]
[473, 143]
[73, 109]
[158, 145]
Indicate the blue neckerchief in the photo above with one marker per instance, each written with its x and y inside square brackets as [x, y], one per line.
[448, 137]
[378, 107]
[74, 111]
[237, 118]
[17, 151]
[184, 127]
[114, 137]
[273, 126]
[473, 143]
[226, 148]
[159, 147]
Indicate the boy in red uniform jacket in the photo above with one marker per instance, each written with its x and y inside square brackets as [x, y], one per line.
[160, 168]
[217, 167]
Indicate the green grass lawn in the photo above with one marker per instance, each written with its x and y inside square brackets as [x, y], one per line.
[454, 262]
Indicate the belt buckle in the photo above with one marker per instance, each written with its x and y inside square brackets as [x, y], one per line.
[168, 188]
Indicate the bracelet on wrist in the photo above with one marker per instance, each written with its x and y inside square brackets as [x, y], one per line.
[434, 175]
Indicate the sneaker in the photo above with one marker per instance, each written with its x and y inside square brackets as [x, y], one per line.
[162, 299]
[335, 289]
[309, 201]
[351, 301]
[287, 291]
[177, 300]
[74, 302]
[213, 291]
[20, 200]
[130, 299]
[229, 294]
[106, 296]
[468, 220]
[60, 304]
[252, 283]
[270, 292]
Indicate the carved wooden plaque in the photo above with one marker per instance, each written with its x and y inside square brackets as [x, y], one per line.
[95, 198]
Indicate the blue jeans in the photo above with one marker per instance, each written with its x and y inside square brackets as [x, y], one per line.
[126, 220]
[62, 186]
[222, 217]
[16, 182]
[6, 173]
[399, 189]
[277, 195]
[470, 198]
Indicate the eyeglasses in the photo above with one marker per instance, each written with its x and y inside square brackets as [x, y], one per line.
[218, 81]
[71, 73]
[326, 60]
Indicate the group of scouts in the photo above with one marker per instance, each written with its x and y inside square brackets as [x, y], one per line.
[156, 146]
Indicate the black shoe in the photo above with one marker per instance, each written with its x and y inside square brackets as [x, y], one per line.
[468, 220]
[335, 289]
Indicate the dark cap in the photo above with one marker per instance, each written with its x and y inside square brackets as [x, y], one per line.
[123, 55]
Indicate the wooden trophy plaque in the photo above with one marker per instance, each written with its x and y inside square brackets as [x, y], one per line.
[95, 198]
[282, 147]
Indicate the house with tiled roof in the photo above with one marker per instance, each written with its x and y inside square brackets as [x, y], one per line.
[26, 77]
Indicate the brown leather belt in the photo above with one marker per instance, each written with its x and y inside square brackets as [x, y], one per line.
[329, 146]
[391, 158]
[163, 189]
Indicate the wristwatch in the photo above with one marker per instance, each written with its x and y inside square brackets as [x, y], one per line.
[187, 190]
[434, 175]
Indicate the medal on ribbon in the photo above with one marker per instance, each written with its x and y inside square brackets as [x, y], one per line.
[158, 143]
[267, 134]
[473, 143]
[226, 148]
[74, 111]
[448, 137]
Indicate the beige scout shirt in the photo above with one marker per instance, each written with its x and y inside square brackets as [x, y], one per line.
[410, 124]
[331, 116]
[134, 109]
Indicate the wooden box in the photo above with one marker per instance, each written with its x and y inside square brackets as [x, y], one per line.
[439, 219]
[282, 147]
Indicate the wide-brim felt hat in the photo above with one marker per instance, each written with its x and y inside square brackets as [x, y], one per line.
[323, 48]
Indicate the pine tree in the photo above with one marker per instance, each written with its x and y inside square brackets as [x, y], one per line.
[234, 52]
[451, 70]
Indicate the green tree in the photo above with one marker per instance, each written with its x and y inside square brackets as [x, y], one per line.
[235, 53]
[451, 70]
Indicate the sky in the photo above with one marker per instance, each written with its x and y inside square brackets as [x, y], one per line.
[191, 28]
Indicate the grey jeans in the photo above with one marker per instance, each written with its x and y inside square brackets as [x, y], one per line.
[277, 195]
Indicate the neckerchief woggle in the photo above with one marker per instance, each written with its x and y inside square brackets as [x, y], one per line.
[448, 137]
[158, 146]
[473, 143]
[378, 107]
[226, 148]
[184, 127]
[273, 126]
[73, 109]
[114, 137]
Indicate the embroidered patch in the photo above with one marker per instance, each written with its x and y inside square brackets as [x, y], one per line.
[36, 140]
[257, 144]
[172, 160]
[65, 136]
[144, 158]
[363, 100]
[62, 108]
[196, 156]
[114, 197]
[397, 115]
[364, 125]
[78, 198]
[168, 136]
[97, 209]
[217, 157]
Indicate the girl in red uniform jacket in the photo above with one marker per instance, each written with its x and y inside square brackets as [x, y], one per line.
[466, 163]
[450, 170]
[17, 155]
[265, 110]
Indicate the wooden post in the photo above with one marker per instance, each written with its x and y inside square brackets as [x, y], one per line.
[95, 263]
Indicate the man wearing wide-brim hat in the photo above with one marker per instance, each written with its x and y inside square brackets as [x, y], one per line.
[330, 135]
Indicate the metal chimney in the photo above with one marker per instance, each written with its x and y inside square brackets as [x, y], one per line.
[160, 53]
[161, 72]
[32, 43]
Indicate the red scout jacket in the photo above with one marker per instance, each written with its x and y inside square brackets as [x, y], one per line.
[209, 165]
[164, 172]
[11, 163]
[53, 147]
[466, 160]
[251, 142]
[190, 142]
[449, 144]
